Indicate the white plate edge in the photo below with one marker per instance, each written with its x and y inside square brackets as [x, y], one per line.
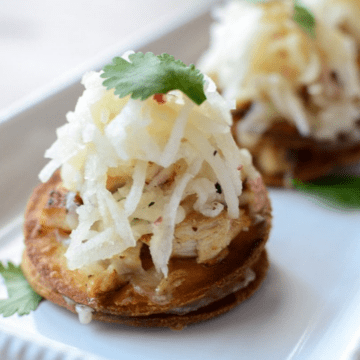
[45, 348]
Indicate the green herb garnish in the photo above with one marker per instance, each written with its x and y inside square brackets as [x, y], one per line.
[336, 190]
[22, 298]
[304, 18]
[148, 74]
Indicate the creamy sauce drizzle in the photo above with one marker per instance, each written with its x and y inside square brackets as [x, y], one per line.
[84, 312]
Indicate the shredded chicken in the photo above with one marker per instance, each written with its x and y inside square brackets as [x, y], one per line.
[137, 165]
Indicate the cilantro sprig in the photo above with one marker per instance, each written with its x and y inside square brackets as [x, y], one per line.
[22, 298]
[147, 74]
[340, 191]
[302, 16]
[305, 18]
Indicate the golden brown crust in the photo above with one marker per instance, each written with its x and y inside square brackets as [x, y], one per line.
[173, 321]
[45, 267]
[299, 157]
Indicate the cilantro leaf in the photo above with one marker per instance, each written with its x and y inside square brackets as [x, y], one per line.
[148, 74]
[304, 18]
[22, 298]
[336, 190]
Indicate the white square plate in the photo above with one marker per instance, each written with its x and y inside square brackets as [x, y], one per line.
[307, 308]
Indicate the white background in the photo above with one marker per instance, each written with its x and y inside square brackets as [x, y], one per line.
[41, 40]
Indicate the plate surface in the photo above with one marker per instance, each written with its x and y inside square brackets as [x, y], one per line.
[307, 308]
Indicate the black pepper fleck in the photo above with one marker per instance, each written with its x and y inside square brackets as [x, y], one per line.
[335, 77]
[218, 188]
[342, 136]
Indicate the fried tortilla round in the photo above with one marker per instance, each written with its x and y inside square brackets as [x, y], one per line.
[295, 156]
[198, 291]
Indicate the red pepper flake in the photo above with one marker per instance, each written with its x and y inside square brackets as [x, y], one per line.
[240, 167]
[158, 221]
[160, 98]
[261, 200]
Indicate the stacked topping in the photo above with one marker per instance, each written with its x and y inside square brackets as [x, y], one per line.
[143, 161]
[260, 54]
